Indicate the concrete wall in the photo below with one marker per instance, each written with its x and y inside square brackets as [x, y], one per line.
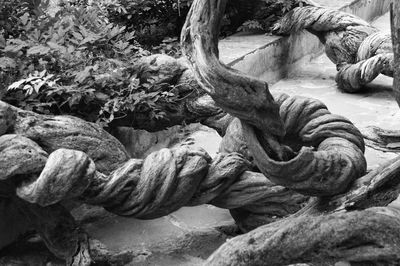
[368, 9]
[272, 60]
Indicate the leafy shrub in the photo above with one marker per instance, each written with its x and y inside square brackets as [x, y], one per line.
[76, 62]
[267, 13]
[152, 20]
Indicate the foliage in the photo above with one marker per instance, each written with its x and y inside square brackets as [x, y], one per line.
[251, 25]
[152, 20]
[76, 62]
[169, 46]
[267, 13]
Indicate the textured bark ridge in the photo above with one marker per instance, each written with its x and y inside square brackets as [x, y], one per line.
[346, 227]
[47, 160]
[358, 49]
[256, 105]
[329, 148]
[395, 26]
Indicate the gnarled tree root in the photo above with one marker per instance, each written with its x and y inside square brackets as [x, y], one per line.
[358, 49]
[359, 236]
[323, 230]
[329, 230]
[150, 188]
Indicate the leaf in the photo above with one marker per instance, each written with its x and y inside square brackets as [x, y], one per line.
[90, 39]
[77, 35]
[115, 31]
[6, 62]
[31, 78]
[41, 74]
[75, 99]
[57, 47]
[38, 49]
[28, 89]
[38, 85]
[24, 18]
[83, 75]
[70, 49]
[15, 45]
[101, 96]
[16, 85]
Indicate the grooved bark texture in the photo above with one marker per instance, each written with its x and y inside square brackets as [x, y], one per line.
[395, 25]
[328, 229]
[358, 49]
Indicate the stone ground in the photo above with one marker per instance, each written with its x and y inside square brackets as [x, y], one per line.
[190, 235]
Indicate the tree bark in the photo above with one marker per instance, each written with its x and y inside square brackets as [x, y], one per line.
[395, 25]
[330, 228]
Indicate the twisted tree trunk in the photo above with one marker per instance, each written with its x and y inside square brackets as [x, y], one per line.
[330, 228]
[395, 25]
[377, 138]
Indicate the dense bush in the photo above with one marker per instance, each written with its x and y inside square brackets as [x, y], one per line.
[266, 13]
[152, 20]
[76, 63]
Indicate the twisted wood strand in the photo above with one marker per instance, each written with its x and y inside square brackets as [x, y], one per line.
[358, 49]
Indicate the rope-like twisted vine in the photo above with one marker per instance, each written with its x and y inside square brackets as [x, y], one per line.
[358, 49]
[53, 159]
[309, 235]
[169, 179]
[330, 148]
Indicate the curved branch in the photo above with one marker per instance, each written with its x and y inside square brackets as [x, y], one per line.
[327, 230]
[359, 50]
[395, 30]
[330, 148]
[352, 77]
[327, 171]
[364, 236]
[242, 96]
